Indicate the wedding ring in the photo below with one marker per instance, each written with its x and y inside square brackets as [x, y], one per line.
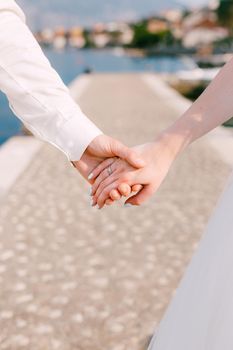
[109, 170]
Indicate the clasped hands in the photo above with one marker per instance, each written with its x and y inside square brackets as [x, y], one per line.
[115, 170]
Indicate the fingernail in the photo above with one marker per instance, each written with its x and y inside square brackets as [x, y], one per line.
[128, 205]
[90, 176]
[90, 192]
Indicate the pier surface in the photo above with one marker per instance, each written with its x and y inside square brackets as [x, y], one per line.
[75, 278]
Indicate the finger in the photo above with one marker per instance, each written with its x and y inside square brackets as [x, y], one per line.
[109, 201]
[137, 188]
[103, 176]
[104, 195]
[124, 189]
[105, 183]
[110, 179]
[115, 195]
[100, 168]
[140, 197]
[123, 152]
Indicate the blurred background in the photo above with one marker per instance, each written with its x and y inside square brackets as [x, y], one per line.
[186, 41]
[75, 278]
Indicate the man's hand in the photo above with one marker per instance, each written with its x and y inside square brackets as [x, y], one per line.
[103, 147]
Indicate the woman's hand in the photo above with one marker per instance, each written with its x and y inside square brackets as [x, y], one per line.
[158, 156]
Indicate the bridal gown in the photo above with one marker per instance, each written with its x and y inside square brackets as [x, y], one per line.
[200, 316]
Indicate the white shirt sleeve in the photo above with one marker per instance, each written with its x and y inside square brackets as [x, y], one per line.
[35, 91]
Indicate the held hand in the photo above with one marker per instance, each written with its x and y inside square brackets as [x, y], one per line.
[158, 156]
[123, 189]
[102, 148]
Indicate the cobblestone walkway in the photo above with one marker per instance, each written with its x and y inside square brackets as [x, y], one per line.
[75, 278]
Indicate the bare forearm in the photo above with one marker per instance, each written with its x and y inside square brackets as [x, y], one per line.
[212, 108]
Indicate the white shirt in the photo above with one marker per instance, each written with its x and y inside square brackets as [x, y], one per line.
[35, 91]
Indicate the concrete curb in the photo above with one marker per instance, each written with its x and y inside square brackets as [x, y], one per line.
[15, 156]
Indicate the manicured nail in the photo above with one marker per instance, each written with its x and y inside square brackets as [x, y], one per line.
[128, 205]
[90, 176]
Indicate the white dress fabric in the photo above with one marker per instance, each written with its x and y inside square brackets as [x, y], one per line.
[35, 91]
[200, 316]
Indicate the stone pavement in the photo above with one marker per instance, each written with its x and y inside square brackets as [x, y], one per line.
[75, 278]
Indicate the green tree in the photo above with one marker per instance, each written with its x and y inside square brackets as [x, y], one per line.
[225, 13]
[88, 42]
[143, 39]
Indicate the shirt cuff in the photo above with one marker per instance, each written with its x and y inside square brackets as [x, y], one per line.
[75, 135]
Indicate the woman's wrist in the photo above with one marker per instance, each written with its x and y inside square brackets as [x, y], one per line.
[174, 140]
[183, 132]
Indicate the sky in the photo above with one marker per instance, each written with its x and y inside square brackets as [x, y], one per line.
[50, 13]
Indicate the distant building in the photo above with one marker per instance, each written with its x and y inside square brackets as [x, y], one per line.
[201, 28]
[126, 37]
[101, 40]
[173, 15]
[46, 36]
[121, 33]
[59, 40]
[204, 36]
[99, 28]
[214, 4]
[99, 35]
[174, 18]
[202, 18]
[157, 25]
[76, 37]
[111, 34]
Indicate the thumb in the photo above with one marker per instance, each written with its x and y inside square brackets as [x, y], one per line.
[141, 196]
[124, 152]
